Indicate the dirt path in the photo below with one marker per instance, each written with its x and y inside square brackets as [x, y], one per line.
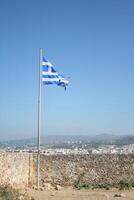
[70, 194]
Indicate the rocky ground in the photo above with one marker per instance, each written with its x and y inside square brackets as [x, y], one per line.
[71, 194]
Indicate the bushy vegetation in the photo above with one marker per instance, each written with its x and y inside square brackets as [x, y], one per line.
[125, 185]
[102, 186]
[79, 182]
[84, 186]
[7, 193]
[122, 185]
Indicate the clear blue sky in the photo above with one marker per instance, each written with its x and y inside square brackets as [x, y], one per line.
[91, 41]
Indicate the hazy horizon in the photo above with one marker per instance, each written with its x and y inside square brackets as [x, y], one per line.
[67, 135]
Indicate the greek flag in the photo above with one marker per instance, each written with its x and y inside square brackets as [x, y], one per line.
[51, 76]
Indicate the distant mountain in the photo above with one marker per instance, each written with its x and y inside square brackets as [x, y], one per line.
[105, 138]
[54, 140]
[126, 140]
[113, 139]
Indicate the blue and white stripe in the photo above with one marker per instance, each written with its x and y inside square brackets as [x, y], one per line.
[50, 76]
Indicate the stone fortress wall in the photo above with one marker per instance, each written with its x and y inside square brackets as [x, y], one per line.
[87, 169]
[19, 169]
[16, 169]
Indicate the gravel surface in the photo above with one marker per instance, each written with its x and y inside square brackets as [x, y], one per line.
[70, 194]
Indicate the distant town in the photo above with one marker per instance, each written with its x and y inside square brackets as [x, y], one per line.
[66, 145]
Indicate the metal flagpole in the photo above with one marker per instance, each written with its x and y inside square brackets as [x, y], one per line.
[39, 117]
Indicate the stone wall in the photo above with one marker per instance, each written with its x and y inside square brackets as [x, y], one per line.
[19, 169]
[89, 169]
[16, 169]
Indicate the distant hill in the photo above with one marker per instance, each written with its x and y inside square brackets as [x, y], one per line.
[113, 139]
[54, 140]
[105, 138]
[126, 140]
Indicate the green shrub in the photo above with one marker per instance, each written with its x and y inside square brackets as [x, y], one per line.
[84, 186]
[78, 182]
[132, 184]
[124, 185]
[102, 186]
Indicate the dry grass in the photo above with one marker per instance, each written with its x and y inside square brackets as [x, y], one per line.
[8, 193]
